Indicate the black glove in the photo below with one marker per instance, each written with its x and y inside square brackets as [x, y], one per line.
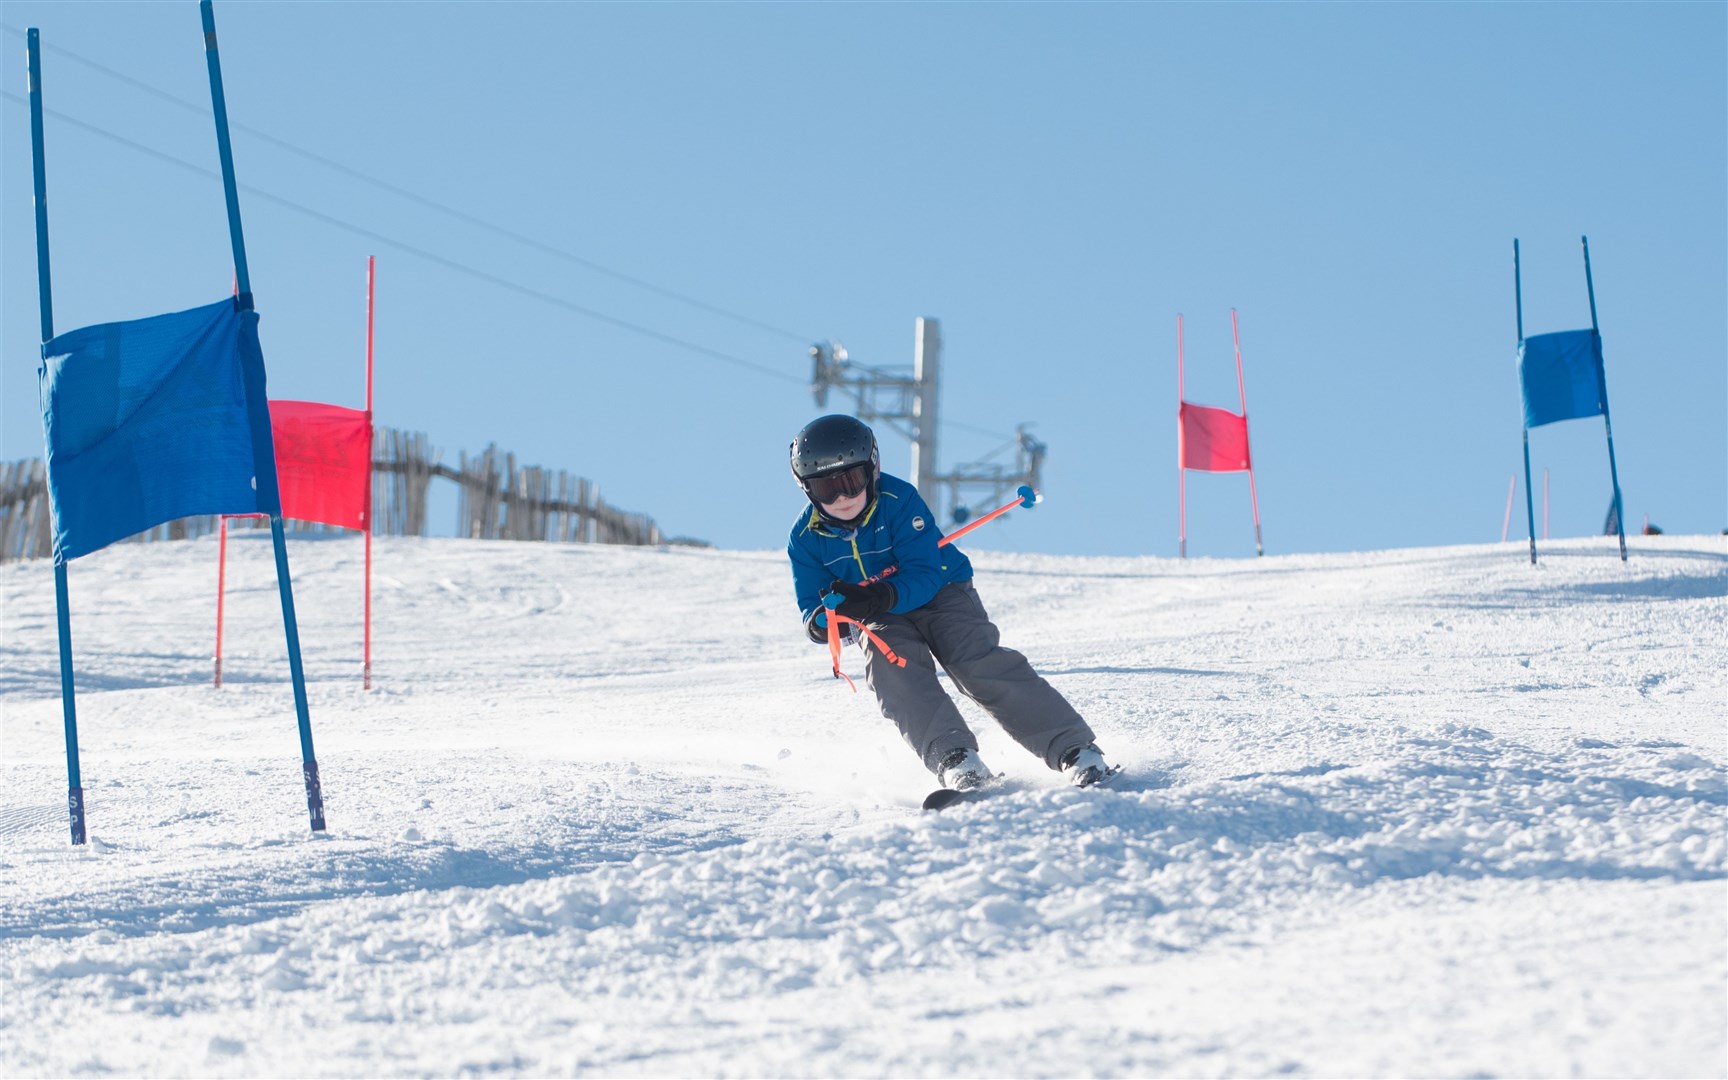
[864, 602]
[816, 627]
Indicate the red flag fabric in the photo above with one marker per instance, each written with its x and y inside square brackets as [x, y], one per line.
[323, 462]
[1211, 439]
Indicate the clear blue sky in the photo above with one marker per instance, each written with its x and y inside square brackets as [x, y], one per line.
[1053, 182]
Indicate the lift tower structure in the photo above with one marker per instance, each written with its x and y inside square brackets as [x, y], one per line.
[907, 403]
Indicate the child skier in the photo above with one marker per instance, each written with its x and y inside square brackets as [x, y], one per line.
[871, 538]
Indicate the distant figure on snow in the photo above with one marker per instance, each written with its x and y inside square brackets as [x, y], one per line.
[871, 538]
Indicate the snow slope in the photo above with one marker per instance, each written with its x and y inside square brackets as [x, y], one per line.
[1430, 812]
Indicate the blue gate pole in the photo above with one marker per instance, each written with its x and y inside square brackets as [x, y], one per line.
[1518, 300]
[1602, 388]
[263, 448]
[45, 290]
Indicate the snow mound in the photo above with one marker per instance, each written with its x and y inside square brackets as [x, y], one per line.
[1420, 811]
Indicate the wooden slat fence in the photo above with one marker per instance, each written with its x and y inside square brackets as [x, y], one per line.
[24, 517]
[403, 465]
[497, 499]
[500, 500]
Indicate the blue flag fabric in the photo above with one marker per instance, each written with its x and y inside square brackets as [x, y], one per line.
[148, 420]
[1561, 376]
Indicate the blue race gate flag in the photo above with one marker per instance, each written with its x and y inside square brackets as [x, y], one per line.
[146, 421]
[156, 419]
[1561, 377]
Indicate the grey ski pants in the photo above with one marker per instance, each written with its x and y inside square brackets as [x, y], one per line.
[953, 630]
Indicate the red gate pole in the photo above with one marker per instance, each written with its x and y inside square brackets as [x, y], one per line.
[366, 666]
[222, 562]
[1181, 439]
[221, 576]
[1506, 522]
[1544, 504]
[1242, 389]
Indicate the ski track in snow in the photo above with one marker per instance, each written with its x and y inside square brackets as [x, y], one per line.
[1412, 812]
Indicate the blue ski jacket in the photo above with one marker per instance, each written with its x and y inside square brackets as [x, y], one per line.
[896, 540]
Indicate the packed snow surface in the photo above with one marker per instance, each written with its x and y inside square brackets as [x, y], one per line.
[606, 812]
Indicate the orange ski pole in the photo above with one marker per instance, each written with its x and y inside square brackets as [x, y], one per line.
[1026, 497]
[834, 648]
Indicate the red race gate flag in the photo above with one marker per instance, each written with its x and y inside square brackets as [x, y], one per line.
[1212, 439]
[1209, 439]
[323, 462]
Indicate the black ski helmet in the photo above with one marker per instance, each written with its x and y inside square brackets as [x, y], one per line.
[832, 444]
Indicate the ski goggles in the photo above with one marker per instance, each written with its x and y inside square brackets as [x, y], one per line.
[840, 485]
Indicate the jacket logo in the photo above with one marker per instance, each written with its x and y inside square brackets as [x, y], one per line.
[918, 523]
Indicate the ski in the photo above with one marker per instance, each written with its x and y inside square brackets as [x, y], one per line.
[943, 797]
